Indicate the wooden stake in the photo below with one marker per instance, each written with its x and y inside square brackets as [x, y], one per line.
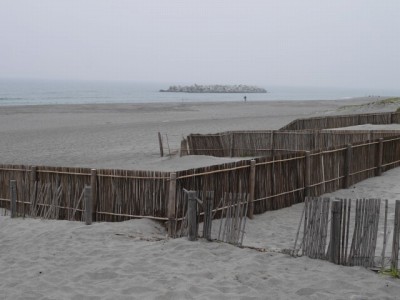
[192, 216]
[343, 225]
[172, 206]
[33, 190]
[93, 185]
[396, 232]
[208, 206]
[13, 196]
[252, 183]
[88, 205]
[307, 178]
[384, 236]
[335, 232]
[161, 145]
[347, 231]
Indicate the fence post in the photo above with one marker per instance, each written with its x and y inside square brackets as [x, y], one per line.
[192, 216]
[13, 197]
[307, 179]
[208, 206]
[252, 185]
[379, 158]
[171, 205]
[88, 204]
[161, 145]
[396, 232]
[347, 166]
[93, 185]
[334, 248]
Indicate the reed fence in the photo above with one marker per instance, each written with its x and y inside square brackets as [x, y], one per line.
[285, 179]
[270, 142]
[290, 166]
[57, 192]
[326, 122]
[351, 232]
[278, 182]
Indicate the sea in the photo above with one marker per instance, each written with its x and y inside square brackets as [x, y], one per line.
[41, 92]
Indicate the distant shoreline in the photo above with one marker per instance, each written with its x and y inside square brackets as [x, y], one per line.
[215, 89]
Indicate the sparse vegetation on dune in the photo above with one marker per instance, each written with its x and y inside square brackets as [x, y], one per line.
[379, 103]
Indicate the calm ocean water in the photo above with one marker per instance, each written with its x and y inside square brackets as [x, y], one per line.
[36, 92]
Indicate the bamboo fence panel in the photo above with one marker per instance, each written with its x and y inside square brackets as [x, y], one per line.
[280, 182]
[332, 166]
[269, 143]
[264, 187]
[327, 122]
[391, 153]
[20, 174]
[363, 163]
[317, 175]
[209, 144]
[396, 118]
[342, 121]
[253, 143]
[123, 194]
[223, 180]
[294, 140]
[58, 193]
[351, 239]
[377, 118]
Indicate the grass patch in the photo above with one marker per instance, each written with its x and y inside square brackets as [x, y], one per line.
[395, 273]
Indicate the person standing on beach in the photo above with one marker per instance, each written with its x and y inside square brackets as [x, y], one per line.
[245, 98]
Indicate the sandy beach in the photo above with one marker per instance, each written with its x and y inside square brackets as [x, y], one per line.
[47, 259]
[125, 135]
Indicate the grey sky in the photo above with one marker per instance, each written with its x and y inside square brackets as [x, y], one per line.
[345, 43]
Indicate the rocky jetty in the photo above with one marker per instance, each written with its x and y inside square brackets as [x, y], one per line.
[214, 89]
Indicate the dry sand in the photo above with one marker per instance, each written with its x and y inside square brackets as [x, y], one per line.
[125, 135]
[47, 259]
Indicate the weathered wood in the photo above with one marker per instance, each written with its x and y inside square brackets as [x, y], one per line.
[347, 167]
[379, 158]
[252, 184]
[347, 232]
[232, 145]
[396, 232]
[192, 216]
[172, 206]
[93, 186]
[334, 255]
[356, 233]
[13, 197]
[384, 236]
[88, 205]
[307, 178]
[207, 225]
[343, 227]
[374, 233]
[305, 229]
[33, 190]
[294, 252]
[161, 144]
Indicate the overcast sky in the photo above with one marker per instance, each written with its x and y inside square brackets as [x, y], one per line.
[341, 43]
